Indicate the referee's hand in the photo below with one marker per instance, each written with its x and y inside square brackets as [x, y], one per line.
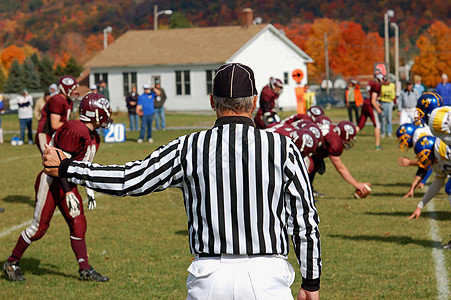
[51, 159]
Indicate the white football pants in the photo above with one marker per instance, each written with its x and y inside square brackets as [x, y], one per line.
[238, 277]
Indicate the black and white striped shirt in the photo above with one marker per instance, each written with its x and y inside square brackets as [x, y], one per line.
[245, 190]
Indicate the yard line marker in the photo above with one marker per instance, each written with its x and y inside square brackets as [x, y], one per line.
[19, 157]
[439, 259]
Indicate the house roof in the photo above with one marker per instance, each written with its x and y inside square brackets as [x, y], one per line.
[202, 45]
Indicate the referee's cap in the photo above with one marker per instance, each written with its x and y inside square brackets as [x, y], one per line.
[234, 80]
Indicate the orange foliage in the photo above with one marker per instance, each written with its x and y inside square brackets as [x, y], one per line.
[29, 50]
[62, 60]
[435, 54]
[9, 54]
[351, 51]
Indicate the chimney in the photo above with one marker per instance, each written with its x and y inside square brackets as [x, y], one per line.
[248, 17]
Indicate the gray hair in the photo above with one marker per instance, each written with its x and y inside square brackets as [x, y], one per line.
[238, 105]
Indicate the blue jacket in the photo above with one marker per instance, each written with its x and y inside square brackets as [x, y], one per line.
[444, 90]
[146, 102]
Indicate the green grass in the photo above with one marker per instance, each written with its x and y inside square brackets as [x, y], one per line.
[369, 249]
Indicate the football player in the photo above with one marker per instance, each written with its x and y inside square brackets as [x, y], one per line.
[267, 112]
[371, 108]
[334, 141]
[79, 140]
[57, 110]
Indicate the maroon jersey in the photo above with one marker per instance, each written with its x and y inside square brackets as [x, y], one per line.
[375, 87]
[332, 145]
[77, 140]
[59, 105]
[267, 99]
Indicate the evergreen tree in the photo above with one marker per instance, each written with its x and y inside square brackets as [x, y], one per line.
[46, 73]
[178, 20]
[31, 76]
[15, 81]
[59, 71]
[35, 59]
[73, 68]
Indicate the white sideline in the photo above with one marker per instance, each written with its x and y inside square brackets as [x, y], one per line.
[441, 274]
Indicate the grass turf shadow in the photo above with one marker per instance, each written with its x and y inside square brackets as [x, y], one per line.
[435, 215]
[401, 240]
[19, 199]
[34, 266]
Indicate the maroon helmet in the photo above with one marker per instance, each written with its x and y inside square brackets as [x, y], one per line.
[314, 128]
[276, 83]
[305, 140]
[323, 120]
[295, 118]
[281, 128]
[95, 107]
[347, 132]
[314, 112]
[67, 85]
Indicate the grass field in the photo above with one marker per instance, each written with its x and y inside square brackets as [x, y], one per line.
[369, 249]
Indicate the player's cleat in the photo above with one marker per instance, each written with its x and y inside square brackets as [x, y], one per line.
[12, 270]
[447, 246]
[378, 148]
[91, 274]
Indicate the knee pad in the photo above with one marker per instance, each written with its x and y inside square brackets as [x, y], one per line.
[78, 227]
[36, 231]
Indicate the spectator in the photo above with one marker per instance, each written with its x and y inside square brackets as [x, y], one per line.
[310, 97]
[94, 89]
[419, 86]
[146, 110]
[353, 99]
[407, 104]
[103, 89]
[387, 97]
[132, 101]
[25, 113]
[160, 114]
[444, 90]
[39, 105]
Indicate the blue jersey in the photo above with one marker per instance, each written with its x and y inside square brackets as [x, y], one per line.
[146, 101]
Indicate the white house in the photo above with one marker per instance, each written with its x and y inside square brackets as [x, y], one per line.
[184, 60]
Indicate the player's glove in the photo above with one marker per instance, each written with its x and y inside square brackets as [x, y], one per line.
[73, 204]
[91, 199]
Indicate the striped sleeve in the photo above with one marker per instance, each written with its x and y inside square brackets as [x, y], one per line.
[160, 170]
[303, 218]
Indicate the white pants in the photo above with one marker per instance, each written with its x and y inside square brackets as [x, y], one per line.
[407, 116]
[240, 277]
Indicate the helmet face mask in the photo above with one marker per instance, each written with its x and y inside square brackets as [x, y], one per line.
[424, 149]
[347, 132]
[423, 159]
[405, 134]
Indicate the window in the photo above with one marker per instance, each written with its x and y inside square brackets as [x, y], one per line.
[210, 74]
[99, 77]
[285, 77]
[128, 79]
[182, 83]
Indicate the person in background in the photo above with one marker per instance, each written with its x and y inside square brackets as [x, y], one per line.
[94, 89]
[103, 89]
[444, 90]
[310, 97]
[53, 89]
[146, 110]
[25, 113]
[39, 105]
[160, 114]
[387, 98]
[354, 100]
[407, 104]
[132, 101]
[372, 108]
[419, 86]
[268, 103]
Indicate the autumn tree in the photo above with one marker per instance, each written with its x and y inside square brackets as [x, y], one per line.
[435, 53]
[31, 76]
[15, 81]
[11, 53]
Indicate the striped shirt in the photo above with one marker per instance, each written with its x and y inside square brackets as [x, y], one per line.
[245, 190]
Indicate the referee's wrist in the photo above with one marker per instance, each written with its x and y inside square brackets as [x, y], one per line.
[311, 285]
[64, 165]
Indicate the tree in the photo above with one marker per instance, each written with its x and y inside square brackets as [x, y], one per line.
[59, 71]
[2, 80]
[73, 68]
[15, 81]
[31, 76]
[11, 53]
[178, 20]
[46, 72]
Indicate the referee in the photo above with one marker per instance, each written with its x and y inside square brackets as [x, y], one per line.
[245, 191]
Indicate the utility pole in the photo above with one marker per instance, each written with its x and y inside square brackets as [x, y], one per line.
[326, 51]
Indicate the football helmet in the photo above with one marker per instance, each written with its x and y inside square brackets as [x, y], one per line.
[305, 141]
[270, 118]
[424, 149]
[316, 132]
[67, 86]
[347, 132]
[314, 112]
[425, 105]
[323, 120]
[95, 107]
[276, 83]
[405, 135]
[281, 128]
[295, 118]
